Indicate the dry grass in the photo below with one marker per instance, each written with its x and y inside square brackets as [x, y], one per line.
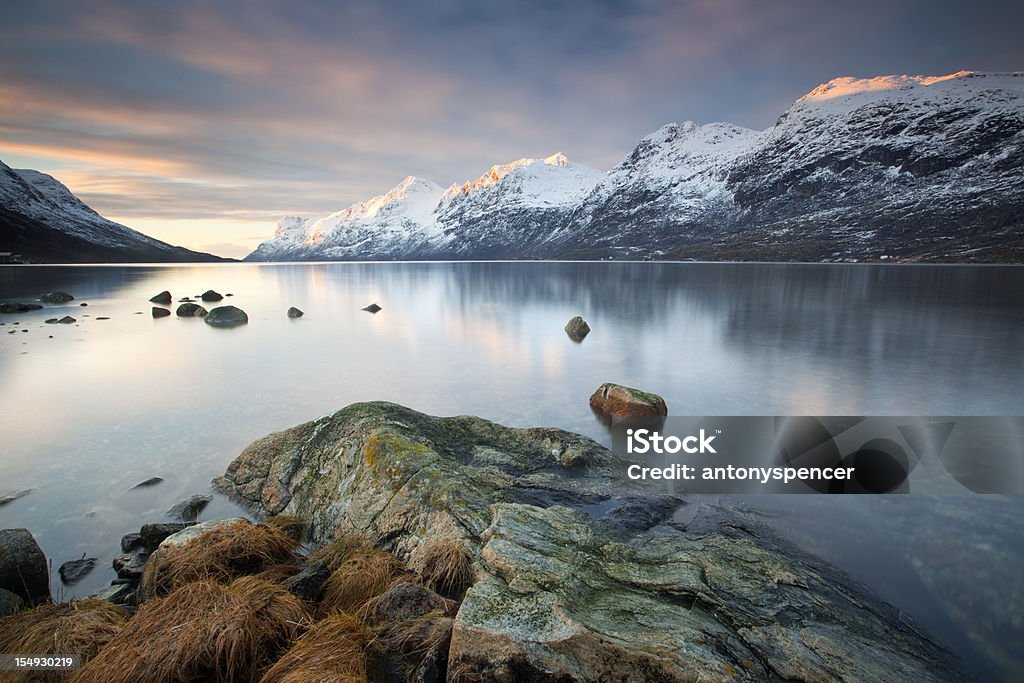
[361, 578]
[79, 627]
[221, 554]
[339, 648]
[416, 637]
[202, 631]
[278, 573]
[335, 553]
[293, 527]
[447, 568]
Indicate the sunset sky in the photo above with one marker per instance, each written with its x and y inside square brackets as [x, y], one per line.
[203, 123]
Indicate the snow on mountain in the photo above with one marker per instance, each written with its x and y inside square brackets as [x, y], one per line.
[908, 166]
[43, 220]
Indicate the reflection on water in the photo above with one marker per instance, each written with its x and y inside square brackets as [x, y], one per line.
[105, 404]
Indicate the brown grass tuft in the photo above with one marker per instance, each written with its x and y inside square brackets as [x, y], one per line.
[293, 527]
[335, 649]
[202, 631]
[335, 553]
[447, 568]
[220, 554]
[79, 627]
[361, 578]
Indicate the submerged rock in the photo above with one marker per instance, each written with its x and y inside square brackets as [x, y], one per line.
[372, 308]
[190, 310]
[152, 481]
[17, 307]
[163, 297]
[226, 316]
[12, 496]
[210, 295]
[615, 400]
[577, 328]
[188, 510]
[558, 594]
[294, 313]
[23, 569]
[160, 312]
[56, 298]
[67, 320]
[73, 571]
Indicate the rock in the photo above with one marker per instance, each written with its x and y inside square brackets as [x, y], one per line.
[67, 320]
[577, 328]
[52, 321]
[408, 601]
[229, 294]
[119, 594]
[372, 308]
[75, 570]
[152, 481]
[210, 295]
[16, 307]
[10, 603]
[191, 311]
[56, 298]
[23, 569]
[160, 312]
[294, 313]
[226, 316]
[130, 542]
[163, 297]
[564, 595]
[186, 300]
[13, 496]
[131, 565]
[83, 304]
[188, 510]
[154, 534]
[103, 317]
[185, 536]
[308, 584]
[617, 401]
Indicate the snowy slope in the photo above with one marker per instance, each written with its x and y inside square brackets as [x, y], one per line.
[39, 213]
[909, 167]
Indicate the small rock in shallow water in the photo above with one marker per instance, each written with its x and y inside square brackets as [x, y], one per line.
[163, 297]
[154, 534]
[188, 510]
[372, 308]
[577, 328]
[210, 295]
[294, 313]
[130, 565]
[13, 496]
[130, 542]
[67, 320]
[152, 481]
[74, 571]
[615, 400]
[190, 310]
[103, 317]
[186, 300]
[160, 312]
[83, 304]
[56, 298]
[226, 316]
[15, 307]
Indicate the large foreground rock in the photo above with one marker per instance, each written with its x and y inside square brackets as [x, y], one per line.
[23, 569]
[571, 584]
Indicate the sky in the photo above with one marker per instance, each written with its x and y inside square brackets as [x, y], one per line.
[203, 123]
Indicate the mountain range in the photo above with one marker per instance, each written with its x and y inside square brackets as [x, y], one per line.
[908, 168]
[42, 221]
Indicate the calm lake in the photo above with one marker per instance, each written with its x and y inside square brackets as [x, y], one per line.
[90, 409]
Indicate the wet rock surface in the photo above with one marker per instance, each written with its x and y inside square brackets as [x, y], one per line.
[624, 593]
[188, 510]
[190, 310]
[617, 401]
[211, 296]
[226, 316]
[163, 297]
[160, 312]
[75, 570]
[56, 298]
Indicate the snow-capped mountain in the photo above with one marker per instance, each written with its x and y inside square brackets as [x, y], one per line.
[43, 221]
[911, 167]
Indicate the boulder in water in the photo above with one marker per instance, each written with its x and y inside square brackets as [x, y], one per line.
[163, 297]
[226, 316]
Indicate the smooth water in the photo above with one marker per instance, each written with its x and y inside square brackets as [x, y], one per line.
[104, 404]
